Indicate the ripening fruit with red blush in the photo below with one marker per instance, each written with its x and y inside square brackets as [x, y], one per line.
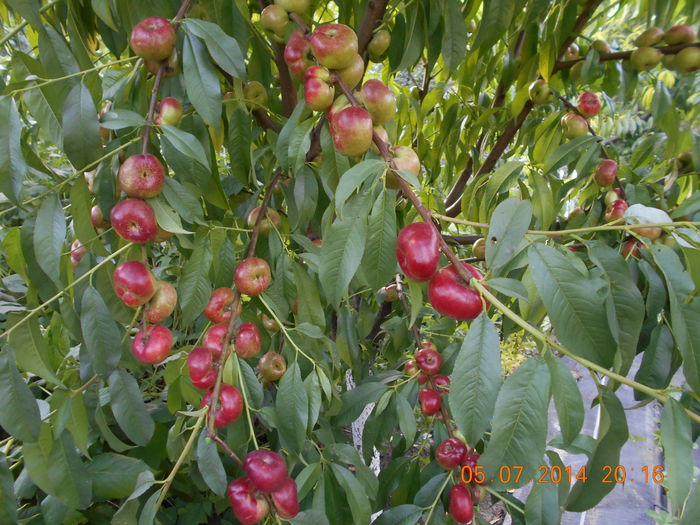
[134, 220]
[247, 506]
[461, 505]
[286, 500]
[152, 345]
[442, 383]
[588, 104]
[450, 296]
[134, 284]
[272, 367]
[153, 38]
[429, 401]
[217, 310]
[77, 252]
[418, 251]
[200, 362]
[229, 407]
[429, 360]
[214, 339]
[410, 368]
[266, 469]
[252, 276]
[450, 453]
[162, 304]
[248, 341]
[605, 172]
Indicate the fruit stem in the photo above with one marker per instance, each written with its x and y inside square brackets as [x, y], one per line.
[285, 331]
[244, 392]
[180, 460]
[504, 500]
[302, 25]
[152, 105]
[84, 386]
[230, 453]
[87, 274]
[563, 350]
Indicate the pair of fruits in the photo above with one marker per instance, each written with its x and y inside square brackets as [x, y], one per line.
[646, 57]
[418, 254]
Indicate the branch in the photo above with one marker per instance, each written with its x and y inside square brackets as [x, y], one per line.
[373, 14]
[461, 239]
[315, 147]
[289, 93]
[265, 121]
[622, 55]
[382, 314]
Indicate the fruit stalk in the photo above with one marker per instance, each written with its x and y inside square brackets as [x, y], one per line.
[374, 13]
[227, 450]
[623, 55]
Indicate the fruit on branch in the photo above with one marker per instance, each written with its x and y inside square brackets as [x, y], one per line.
[170, 112]
[247, 506]
[687, 60]
[450, 296]
[378, 45]
[266, 470]
[379, 100]
[382, 133]
[422, 378]
[172, 65]
[572, 52]
[272, 220]
[272, 367]
[684, 162]
[430, 402]
[218, 309]
[478, 493]
[605, 172]
[153, 38]
[681, 34]
[97, 218]
[339, 104]
[286, 500]
[134, 220]
[142, 176]
[418, 251]
[429, 360]
[573, 125]
[410, 368]
[297, 54]
[479, 248]
[646, 58]
[229, 407]
[405, 159]
[651, 36]
[248, 341]
[669, 62]
[269, 323]
[540, 92]
[77, 252]
[252, 276]
[318, 93]
[471, 460]
[442, 383]
[351, 75]
[601, 46]
[133, 283]
[214, 338]
[351, 129]
[450, 453]
[299, 7]
[200, 364]
[255, 94]
[588, 104]
[613, 195]
[616, 210]
[162, 304]
[650, 233]
[274, 18]
[631, 248]
[153, 344]
[461, 506]
[334, 45]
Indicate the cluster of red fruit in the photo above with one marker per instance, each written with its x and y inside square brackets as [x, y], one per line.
[266, 480]
[453, 453]
[424, 368]
[418, 254]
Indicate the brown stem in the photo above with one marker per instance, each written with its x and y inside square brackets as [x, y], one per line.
[382, 314]
[84, 386]
[622, 55]
[289, 93]
[315, 147]
[373, 15]
[230, 453]
[300, 22]
[265, 121]
[461, 239]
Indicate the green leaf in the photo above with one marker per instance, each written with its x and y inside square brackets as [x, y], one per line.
[80, 208]
[8, 500]
[509, 222]
[415, 297]
[49, 235]
[476, 379]
[401, 515]
[355, 401]
[454, 36]
[355, 493]
[380, 255]
[496, 18]
[100, 333]
[114, 475]
[282, 147]
[519, 431]
[222, 48]
[81, 129]
[129, 409]
[186, 143]
[19, 412]
[542, 505]
[167, 218]
[567, 399]
[341, 254]
[293, 406]
[67, 474]
[567, 152]
[676, 438]
[613, 434]
[32, 352]
[310, 309]
[193, 290]
[122, 118]
[354, 177]
[253, 385]
[407, 419]
[573, 305]
[209, 464]
[691, 513]
[509, 287]
[12, 164]
[201, 81]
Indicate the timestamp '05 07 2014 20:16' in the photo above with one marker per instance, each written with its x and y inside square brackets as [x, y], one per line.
[557, 474]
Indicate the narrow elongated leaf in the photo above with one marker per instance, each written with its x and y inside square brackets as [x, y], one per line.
[341, 254]
[519, 430]
[494, 22]
[401, 515]
[293, 406]
[8, 500]
[542, 505]
[194, 289]
[12, 164]
[19, 412]
[380, 254]
[354, 177]
[129, 409]
[186, 143]
[114, 475]
[67, 474]
[691, 513]
[407, 419]
[201, 82]
[509, 222]
[49, 235]
[100, 333]
[455, 35]
[355, 493]
[476, 379]
[32, 352]
[613, 434]
[355, 401]
[81, 129]
[209, 463]
[309, 308]
[573, 305]
[567, 399]
[222, 48]
[676, 438]
[567, 152]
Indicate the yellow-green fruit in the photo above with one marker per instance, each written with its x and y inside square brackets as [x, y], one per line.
[379, 43]
[576, 71]
[255, 94]
[680, 35]
[294, 6]
[645, 58]
[688, 60]
[651, 36]
[479, 248]
[669, 61]
[601, 46]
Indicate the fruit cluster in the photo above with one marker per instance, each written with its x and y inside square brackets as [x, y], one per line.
[425, 368]
[646, 56]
